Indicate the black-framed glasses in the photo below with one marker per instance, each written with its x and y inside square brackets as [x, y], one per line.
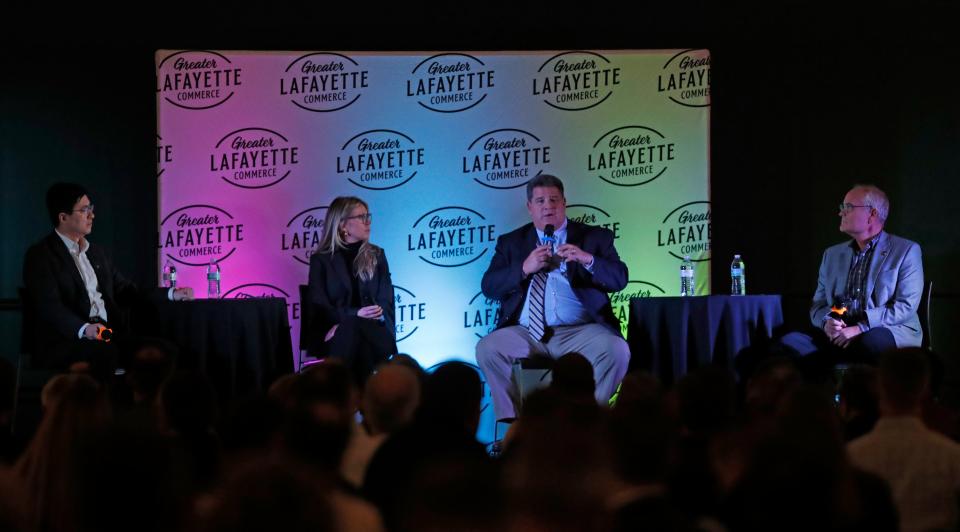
[847, 207]
[86, 209]
[365, 218]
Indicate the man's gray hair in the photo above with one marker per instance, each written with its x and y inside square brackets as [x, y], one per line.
[877, 199]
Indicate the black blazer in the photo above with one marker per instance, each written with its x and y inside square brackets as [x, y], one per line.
[505, 282]
[57, 298]
[331, 292]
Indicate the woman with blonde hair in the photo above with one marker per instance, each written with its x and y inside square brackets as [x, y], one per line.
[351, 292]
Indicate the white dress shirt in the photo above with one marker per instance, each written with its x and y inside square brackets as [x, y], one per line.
[78, 253]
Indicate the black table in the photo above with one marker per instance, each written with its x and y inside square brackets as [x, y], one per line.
[670, 336]
[241, 345]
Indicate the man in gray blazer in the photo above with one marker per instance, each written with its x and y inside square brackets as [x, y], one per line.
[876, 277]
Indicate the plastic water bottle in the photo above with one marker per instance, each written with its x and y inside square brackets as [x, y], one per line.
[687, 284]
[213, 280]
[169, 275]
[738, 277]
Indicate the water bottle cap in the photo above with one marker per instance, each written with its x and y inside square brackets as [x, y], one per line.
[737, 256]
[686, 257]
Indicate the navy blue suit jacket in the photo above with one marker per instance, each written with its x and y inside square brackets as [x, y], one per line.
[331, 292]
[504, 279]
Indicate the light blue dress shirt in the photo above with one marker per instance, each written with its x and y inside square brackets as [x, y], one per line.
[560, 303]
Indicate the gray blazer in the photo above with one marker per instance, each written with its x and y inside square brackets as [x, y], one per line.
[894, 286]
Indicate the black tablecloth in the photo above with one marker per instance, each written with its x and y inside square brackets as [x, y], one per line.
[241, 345]
[670, 336]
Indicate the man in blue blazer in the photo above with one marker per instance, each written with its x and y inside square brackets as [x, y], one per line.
[553, 297]
[876, 277]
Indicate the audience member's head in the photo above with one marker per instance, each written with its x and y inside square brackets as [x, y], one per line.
[858, 405]
[798, 477]
[251, 427]
[271, 495]
[12, 503]
[281, 390]
[390, 398]
[129, 477]
[707, 400]
[573, 376]
[558, 470]
[152, 363]
[904, 380]
[451, 399]
[328, 381]
[460, 492]
[317, 427]
[74, 406]
[642, 432]
[773, 380]
[404, 359]
[188, 403]
[640, 389]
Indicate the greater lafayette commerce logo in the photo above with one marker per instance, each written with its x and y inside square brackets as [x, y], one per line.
[621, 300]
[450, 82]
[481, 315]
[197, 79]
[380, 159]
[576, 81]
[302, 234]
[410, 311]
[196, 234]
[164, 155]
[505, 158]
[593, 215]
[255, 291]
[686, 231]
[629, 156]
[451, 236]
[323, 82]
[685, 78]
[254, 157]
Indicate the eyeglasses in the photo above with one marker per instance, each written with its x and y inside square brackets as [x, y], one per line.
[847, 207]
[86, 209]
[365, 218]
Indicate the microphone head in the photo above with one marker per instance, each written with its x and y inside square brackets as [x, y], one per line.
[548, 231]
[105, 334]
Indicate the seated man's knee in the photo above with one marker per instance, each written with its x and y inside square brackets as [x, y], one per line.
[620, 350]
[485, 348]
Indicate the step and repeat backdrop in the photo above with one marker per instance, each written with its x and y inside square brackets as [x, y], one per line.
[252, 146]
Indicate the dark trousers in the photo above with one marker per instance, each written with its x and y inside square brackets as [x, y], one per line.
[814, 354]
[363, 344]
[817, 356]
[103, 357]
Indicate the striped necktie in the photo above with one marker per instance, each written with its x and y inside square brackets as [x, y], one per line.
[537, 318]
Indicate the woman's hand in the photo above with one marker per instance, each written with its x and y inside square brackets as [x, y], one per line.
[373, 312]
[330, 333]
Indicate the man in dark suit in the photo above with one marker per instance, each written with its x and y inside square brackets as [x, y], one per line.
[73, 290]
[553, 296]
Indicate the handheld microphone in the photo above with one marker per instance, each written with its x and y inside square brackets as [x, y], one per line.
[838, 311]
[548, 236]
[104, 334]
